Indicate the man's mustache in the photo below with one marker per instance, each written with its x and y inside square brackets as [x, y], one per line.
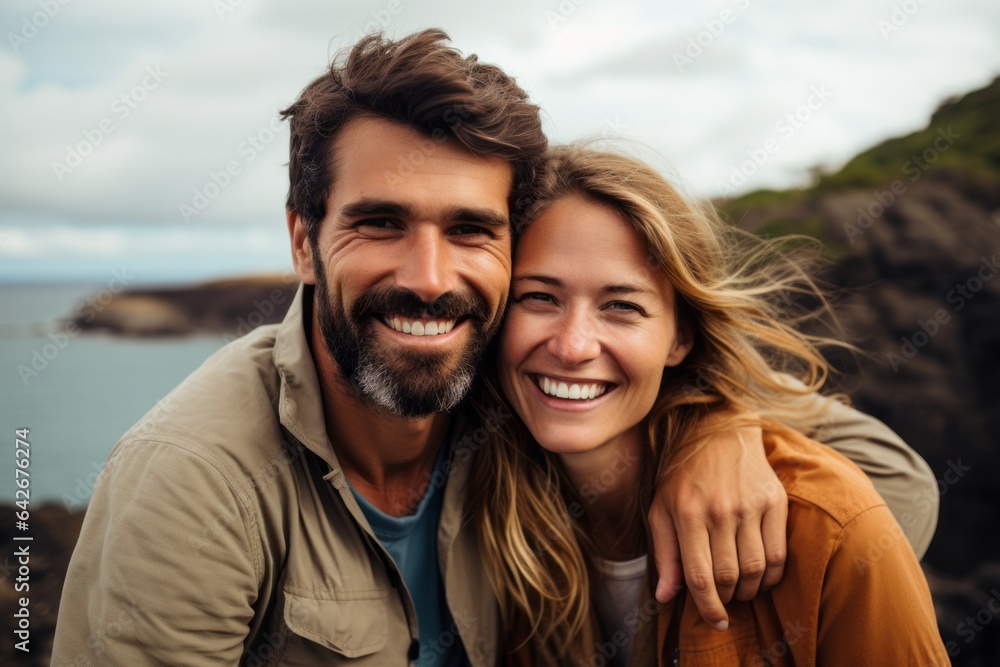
[402, 302]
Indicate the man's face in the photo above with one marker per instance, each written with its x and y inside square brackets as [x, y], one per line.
[412, 264]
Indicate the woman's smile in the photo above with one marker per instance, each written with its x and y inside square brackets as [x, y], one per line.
[585, 343]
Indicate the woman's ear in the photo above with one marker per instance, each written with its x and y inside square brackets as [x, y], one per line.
[682, 342]
[302, 256]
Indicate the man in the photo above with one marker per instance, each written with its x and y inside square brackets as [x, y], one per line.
[298, 499]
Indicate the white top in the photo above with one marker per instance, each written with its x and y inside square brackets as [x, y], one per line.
[618, 599]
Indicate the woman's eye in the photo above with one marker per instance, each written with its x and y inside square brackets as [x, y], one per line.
[536, 297]
[625, 307]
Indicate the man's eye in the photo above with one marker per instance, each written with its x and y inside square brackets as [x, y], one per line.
[378, 223]
[471, 230]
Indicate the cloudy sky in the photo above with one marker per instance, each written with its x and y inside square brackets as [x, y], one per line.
[117, 117]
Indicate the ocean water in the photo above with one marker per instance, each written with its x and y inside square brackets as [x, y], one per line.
[78, 394]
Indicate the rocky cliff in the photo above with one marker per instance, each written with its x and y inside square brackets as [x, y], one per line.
[912, 231]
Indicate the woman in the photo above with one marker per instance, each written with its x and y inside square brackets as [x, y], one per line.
[639, 326]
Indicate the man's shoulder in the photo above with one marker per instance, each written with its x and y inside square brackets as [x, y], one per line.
[226, 410]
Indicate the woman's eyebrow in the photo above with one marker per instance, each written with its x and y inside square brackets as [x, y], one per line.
[545, 280]
[626, 288]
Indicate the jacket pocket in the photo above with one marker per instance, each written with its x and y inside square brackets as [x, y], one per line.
[351, 627]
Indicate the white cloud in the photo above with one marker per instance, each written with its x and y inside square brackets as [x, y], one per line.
[598, 68]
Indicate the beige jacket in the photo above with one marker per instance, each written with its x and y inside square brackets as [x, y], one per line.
[222, 530]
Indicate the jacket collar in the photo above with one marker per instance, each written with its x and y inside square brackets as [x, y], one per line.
[300, 400]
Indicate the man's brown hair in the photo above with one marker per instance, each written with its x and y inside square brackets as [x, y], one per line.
[421, 82]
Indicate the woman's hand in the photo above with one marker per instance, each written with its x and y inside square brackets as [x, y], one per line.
[718, 524]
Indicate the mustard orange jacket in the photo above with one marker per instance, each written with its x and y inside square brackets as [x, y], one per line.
[852, 594]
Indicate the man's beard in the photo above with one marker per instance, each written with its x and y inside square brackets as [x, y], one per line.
[404, 382]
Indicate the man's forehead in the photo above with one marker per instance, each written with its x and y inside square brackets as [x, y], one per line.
[380, 160]
[366, 141]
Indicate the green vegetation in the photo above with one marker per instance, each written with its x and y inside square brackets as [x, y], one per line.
[961, 136]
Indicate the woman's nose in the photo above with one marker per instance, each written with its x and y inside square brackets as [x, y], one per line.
[575, 340]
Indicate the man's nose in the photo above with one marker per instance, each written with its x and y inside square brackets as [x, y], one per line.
[427, 269]
[574, 339]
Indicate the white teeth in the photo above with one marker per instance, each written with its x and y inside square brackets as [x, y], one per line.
[419, 327]
[573, 392]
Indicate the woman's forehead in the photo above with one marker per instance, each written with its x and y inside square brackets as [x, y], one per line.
[575, 236]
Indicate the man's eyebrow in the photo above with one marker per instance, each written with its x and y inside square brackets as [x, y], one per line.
[367, 206]
[479, 216]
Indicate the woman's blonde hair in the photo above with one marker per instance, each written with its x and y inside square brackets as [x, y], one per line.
[739, 294]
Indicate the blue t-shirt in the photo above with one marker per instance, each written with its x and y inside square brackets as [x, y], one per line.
[412, 542]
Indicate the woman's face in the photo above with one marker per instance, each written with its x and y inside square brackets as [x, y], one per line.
[589, 330]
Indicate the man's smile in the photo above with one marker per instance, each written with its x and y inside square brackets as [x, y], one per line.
[419, 327]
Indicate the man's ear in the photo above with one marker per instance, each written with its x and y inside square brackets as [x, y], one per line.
[302, 255]
[682, 343]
